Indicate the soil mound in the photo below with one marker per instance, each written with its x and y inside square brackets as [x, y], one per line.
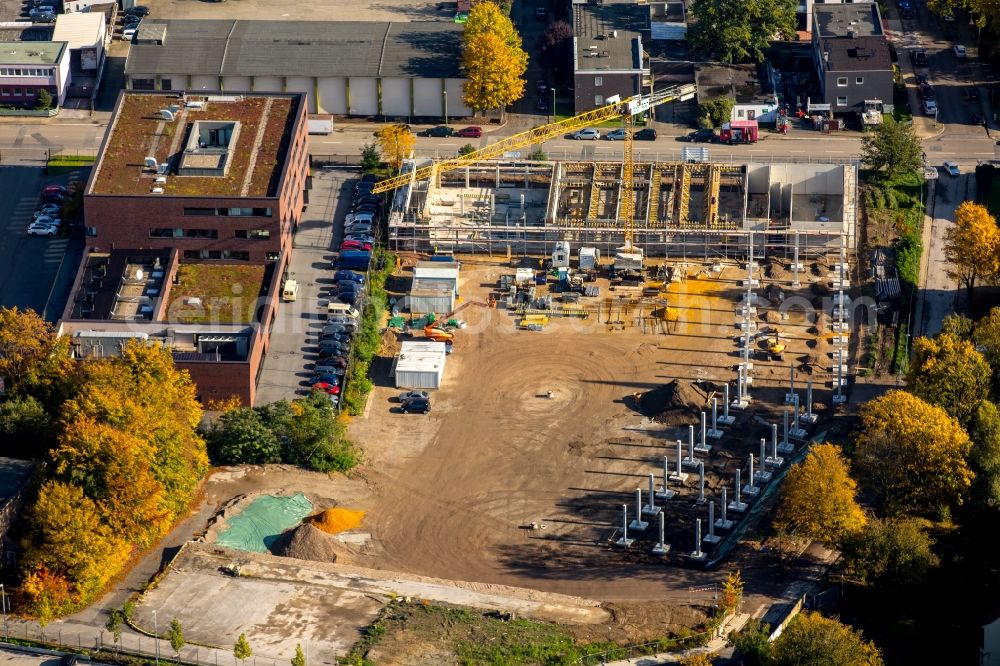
[776, 270]
[772, 317]
[674, 404]
[306, 542]
[333, 521]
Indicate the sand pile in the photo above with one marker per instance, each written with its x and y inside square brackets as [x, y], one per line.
[776, 270]
[674, 404]
[306, 542]
[772, 317]
[334, 521]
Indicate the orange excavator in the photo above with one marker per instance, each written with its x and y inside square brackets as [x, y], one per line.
[437, 334]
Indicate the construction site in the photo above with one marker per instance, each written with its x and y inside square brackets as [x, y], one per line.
[685, 209]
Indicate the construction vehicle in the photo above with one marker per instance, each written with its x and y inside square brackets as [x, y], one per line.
[616, 107]
[533, 322]
[776, 348]
[437, 334]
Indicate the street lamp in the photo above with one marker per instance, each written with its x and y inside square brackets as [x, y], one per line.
[3, 603]
[444, 94]
[553, 103]
[156, 640]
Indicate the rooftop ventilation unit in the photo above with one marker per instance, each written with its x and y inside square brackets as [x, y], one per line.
[167, 115]
[160, 180]
[150, 162]
[157, 190]
[193, 104]
[614, 34]
[163, 168]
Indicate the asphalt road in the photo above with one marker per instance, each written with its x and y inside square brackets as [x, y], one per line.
[17, 658]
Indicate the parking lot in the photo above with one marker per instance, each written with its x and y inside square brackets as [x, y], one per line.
[31, 263]
[293, 337]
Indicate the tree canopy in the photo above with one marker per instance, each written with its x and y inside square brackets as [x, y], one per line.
[913, 452]
[984, 457]
[892, 552]
[739, 30]
[985, 13]
[949, 372]
[494, 59]
[891, 148]
[33, 359]
[972, 245]
[818, 497]
[811, 638]
[395, 143]
[986, 335]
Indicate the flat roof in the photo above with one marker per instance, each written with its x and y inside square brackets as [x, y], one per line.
[607, 37]
[741, 82]
[80, 29]
[138, 130]
[15, 473]
[226, 293]
[424, 49]
[840, 20]
[31, 53]
[417, 356]
[423, 286]
[861, 54]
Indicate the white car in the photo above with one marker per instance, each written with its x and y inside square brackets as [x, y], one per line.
[42, 229]
[47, 219]
[960, 51]
[952, 169]
[930, 107]
[588, 134]
[128, 34]
[48, 210]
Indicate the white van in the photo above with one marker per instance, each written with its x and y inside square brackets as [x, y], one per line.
[290, 291]
[342, 309]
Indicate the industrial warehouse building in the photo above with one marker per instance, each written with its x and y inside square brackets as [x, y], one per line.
[352, 68]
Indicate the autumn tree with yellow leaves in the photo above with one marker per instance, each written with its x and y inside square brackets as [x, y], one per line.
[948, 371]
[33, 358]
[494, 59]
[972, 246]
[395, 144]
[914, 453]
[818, 497]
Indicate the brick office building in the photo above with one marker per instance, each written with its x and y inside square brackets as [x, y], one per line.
[189, 214]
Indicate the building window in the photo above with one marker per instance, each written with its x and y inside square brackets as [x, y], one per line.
[751, 114]
[90, 231]
[199, 211]
[17, 92]
[166, 84]
[143, 84]
[253, 234]
[841, 81]
[202, 233]
[841, 101]
[860, 80]
[598, 100]
[271, 256]
[236, 255]
[5, 92]
[598, 81]
[166, 232]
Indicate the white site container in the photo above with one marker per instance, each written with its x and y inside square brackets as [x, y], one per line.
[420, 364]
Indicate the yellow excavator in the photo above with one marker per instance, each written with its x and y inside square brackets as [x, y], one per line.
[776, 348]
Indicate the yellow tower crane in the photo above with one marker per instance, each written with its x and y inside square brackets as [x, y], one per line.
[626, 109]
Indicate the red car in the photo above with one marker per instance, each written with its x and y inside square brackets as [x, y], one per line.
[329, 389]
[54, 189]
[470, 132]
[356, 245]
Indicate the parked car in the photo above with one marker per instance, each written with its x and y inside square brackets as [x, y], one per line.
[542, 106]
[332, 389]
[130, 21]
[616, 134]
[952, 169]
[702, 135]
[959, 51]
[970, 94]
[413, 395]
[930, 107]
[39, 16]
[330, 364]
[588, 134]
[978, 119]
[361, 217]
[369, 178]
[333, 348]
[440, 130]
[645, 134]
[364, 208]
[42, 229]
[364, 187]
[342, 329]
[349, 275]
[325, 377]
[541, 13]
[417, 406]
[138, 10]
[50, 210]
[326, 369]
[55, 189]
[542, 87]
[362, 199]
[472, 132]
[921, 79]
[919, 57]
[349, 297]
[360, 229]
[926, 91]
[364, 238]
[128, 34]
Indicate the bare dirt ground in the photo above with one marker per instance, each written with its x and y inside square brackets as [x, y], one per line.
[453, 491]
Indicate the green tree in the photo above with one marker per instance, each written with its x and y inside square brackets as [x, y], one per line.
[949, 372]
[538, 155]
[300, 658]
[913, 453]
[811, 639]
[44, 100]
[311, 434]
[739, 30]
[26, 429]
[241, 650]
[984, 458]
[370, 158]
[114, 624]
[972, 246]
[958, 326]
[986, 335]
[751, 643]
[466, 149]
[241, 437]
[176, 636]
[717, 111]
[891, 148]
[818, 497]
[889, 553]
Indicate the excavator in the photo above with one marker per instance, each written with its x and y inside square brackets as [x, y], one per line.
[437, 334]
[775, 347]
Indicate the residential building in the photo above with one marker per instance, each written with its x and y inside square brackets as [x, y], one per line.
[608, 56]
[26, 68]
[86, 36]
[353, 68]
[189, 214]
[15, 480]
[852, 57]
[751, 87]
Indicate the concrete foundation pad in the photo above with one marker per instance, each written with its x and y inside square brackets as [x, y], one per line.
[798, 433]
[790, 398]
[809, 419]
[727, 420]
[648, 510]
[697, 555]
[774, 461]
[839, 399]
[751, 491]
[761, 478]
[737, 507]
[704, 449]
[690, 462]
[721, 524]
[665, 494]
[660, 550]
[786, 447]
[712, 539]
[623, 542]
[713, 434]
[679, 478]
[701, 501]
[638, 525]
[740, 404]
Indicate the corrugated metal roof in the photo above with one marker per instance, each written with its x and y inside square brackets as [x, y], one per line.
[296, 48]
[438, 271]
[79, 30]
